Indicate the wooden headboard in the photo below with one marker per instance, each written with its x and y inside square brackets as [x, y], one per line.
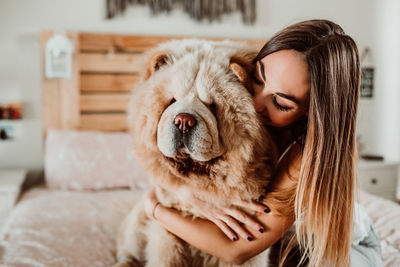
[104, 69]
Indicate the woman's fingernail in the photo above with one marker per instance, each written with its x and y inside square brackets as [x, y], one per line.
[249, 238]
[234, 239]
[261, 230]
[267, 210]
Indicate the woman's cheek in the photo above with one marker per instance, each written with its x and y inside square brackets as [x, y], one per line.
[280, 119]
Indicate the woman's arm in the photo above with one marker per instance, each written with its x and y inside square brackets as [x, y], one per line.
[208, 237]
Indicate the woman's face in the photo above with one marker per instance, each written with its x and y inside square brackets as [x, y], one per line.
[282, 87]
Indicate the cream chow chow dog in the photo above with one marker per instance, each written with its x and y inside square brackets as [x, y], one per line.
[194, 124]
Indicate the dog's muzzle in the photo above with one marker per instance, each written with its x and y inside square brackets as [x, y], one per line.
[184, 137]
[190, 128]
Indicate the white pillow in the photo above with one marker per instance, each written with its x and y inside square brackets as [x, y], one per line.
[91, 160]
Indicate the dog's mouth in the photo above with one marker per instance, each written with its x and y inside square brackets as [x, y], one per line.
[185, 165]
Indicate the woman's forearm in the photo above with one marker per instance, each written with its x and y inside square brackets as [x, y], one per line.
[207, 237]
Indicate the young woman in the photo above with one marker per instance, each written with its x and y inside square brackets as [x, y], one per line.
[306, 89]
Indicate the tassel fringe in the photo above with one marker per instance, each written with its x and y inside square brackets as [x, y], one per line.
[211, 10]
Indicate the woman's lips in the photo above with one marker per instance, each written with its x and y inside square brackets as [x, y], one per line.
[265, 119]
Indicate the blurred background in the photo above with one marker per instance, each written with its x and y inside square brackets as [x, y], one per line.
[373, 24]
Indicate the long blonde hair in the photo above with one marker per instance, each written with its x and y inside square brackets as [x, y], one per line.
[323, 199]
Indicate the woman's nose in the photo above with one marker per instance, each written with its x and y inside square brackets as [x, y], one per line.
[259, 108]
[259, 104]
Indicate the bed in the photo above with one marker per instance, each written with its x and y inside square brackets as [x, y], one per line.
[91, 178]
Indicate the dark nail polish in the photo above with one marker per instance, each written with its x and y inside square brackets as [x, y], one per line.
[249, 238]
[261, 230]
[234, 239]
[267, 210]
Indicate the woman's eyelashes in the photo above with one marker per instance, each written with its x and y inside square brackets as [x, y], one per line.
[279, 106]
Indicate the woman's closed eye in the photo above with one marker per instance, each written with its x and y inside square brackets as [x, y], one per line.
[279, 106]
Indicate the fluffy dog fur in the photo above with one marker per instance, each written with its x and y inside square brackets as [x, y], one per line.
[226, 155]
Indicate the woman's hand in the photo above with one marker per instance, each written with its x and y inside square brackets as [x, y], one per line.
[150, 203]
[228, 219]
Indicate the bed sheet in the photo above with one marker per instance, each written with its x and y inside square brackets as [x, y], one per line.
[79, 228]
[65, 228]
[385, 215]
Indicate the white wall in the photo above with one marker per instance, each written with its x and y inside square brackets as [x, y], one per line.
[388, 79]
[21, 21]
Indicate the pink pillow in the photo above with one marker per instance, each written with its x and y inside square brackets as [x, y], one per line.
[91, 160]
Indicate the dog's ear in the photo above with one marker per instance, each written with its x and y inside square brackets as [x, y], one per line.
[155, 62]
[243, 68]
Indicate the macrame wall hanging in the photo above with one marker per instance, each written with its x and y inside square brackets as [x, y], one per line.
[211, 10]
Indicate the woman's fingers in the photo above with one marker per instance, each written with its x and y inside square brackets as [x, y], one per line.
[235, 226]
[252, 205]
[244, 218]
[225, 229]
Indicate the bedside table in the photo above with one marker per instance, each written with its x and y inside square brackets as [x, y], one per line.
[10, 184]
[379, 178]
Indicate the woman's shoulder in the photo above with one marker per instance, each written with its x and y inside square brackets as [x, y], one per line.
[281, 193]
[289, 165]
[291, 156]
[286, 136]
[289, 162]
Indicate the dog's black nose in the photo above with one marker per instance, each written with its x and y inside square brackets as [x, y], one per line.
[184, 122]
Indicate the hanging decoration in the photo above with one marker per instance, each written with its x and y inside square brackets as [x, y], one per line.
[367, 74]
[59, 49]
[211, 10]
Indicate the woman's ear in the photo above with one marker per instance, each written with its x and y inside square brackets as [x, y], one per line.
[155, 62]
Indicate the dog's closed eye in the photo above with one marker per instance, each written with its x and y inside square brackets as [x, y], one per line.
[213, 108]
[173, 100]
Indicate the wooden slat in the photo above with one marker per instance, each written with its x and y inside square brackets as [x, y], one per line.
[114, 63]
[256, 43]
[104, 102]
[70, 91]
[104, 72]
[119, 43]
[51, 92]
[61, 96]
[108, 82]
[103, 122]
[133, 43]
[51, 104]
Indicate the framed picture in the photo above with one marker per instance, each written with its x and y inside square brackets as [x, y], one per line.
[367, 82]
[367, 73]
